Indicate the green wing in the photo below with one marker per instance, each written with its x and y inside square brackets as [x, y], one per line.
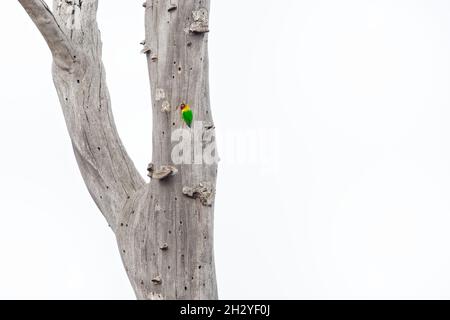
[187, 117]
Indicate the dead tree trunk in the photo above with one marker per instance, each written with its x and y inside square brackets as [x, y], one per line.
[164, 228]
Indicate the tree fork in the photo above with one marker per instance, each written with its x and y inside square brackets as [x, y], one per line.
[164, 228]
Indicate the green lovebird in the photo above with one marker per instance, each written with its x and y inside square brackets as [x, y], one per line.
[186, 114]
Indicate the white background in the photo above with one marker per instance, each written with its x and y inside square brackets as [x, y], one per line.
[347, 196]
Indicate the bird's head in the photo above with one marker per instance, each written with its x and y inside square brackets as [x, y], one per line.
[182, 106]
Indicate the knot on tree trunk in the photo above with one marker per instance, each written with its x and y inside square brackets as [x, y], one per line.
[157, 280]
[204, 191]
[201, 23]
[172, 7]
[155, 296]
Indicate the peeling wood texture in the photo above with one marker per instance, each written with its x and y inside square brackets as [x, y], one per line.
[164, 229]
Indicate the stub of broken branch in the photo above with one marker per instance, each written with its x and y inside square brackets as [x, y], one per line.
[172, 7]
[201, 23]
[203, 191]
[157, 280]
[162, 173]
[146, 49]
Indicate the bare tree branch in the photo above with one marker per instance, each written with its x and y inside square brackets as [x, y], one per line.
[72, 34]
[60, 46]
[164, 229]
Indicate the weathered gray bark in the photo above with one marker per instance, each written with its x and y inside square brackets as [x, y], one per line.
[164, 229]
